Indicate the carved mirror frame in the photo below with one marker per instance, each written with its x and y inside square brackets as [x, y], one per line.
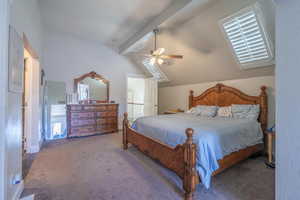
[93, 75]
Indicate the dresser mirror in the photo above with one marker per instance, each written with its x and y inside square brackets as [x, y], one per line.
[92, 88]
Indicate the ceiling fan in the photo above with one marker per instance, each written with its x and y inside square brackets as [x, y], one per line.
[157, 54]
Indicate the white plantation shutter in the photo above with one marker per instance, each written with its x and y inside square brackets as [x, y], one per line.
[247, 38]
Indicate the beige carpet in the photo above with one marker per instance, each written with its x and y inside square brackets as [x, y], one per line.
[96, 168]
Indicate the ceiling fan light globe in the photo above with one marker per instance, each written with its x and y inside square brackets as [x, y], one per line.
[160, 61]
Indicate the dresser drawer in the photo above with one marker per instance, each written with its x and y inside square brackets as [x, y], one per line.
[95, 108]
[107, 128]
[82, 130]
[106, 114]
[106, 121]
[82, 122]
[78, 115]
[111, 107]
[75, 108]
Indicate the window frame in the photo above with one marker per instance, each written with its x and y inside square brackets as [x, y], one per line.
[162, 78]
[265, 36]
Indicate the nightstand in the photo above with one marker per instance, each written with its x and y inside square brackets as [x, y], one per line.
[173, 111]
[270, 137]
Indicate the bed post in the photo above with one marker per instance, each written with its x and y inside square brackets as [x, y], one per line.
[191, 98]
[125, 126]
[189, 179]
[264, 108]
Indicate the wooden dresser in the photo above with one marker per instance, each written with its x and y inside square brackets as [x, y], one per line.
[91, 119]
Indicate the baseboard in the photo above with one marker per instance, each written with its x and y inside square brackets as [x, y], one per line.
[20, 188]
[30, 197]
[33, 149]
[41, 143]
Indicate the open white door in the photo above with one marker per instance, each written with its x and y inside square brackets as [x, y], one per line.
[151, 97]
[32, 106]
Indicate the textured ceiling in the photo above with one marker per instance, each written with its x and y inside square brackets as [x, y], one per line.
[195, 33]
[107, 21]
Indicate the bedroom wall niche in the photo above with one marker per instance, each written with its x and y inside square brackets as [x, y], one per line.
[251, 86]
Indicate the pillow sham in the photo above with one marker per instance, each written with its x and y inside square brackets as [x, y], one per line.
[245, 111]
[207, 111]
[224, 111]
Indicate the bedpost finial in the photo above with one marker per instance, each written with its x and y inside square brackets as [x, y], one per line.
[191, 92]
[189, 133]
[263, 90]
[125, 115]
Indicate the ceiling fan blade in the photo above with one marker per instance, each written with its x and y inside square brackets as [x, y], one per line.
[172, 56]
[158, 52]
[152, 60]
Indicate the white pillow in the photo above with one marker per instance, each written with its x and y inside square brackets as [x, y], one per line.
[224, 111]
[193, 111]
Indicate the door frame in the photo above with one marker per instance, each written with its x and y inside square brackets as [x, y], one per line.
[32, 128]
[4, 29]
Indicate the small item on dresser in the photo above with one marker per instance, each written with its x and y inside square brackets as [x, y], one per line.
[174, 111]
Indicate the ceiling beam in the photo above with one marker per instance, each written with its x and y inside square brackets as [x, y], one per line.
[167, 13]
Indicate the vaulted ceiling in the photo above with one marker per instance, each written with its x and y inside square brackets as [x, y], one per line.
[195, 33]
[107, 21]
[188, 27]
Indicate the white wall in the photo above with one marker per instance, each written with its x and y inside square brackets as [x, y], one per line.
[177, 96]
[67, 57]
[25, 18]
[288, 98]
[4, 21]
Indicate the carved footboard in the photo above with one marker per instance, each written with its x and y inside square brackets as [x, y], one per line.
[181, 159]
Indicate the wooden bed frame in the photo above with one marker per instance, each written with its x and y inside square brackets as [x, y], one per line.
[182, 158]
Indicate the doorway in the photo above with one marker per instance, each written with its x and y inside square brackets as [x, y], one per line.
[141, 97]
[25, 99]
[31, 108]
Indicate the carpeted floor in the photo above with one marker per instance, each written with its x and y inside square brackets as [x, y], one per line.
[96, 168]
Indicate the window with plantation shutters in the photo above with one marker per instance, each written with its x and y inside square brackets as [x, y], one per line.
[247, 38]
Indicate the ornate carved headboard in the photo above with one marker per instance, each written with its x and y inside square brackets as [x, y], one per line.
[222, 95]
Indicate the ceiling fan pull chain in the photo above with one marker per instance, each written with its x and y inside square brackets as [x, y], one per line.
[155, 39]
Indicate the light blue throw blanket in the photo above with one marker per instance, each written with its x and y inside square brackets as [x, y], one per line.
[214, 137]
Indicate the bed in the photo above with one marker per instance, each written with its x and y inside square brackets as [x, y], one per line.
[162, 137]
